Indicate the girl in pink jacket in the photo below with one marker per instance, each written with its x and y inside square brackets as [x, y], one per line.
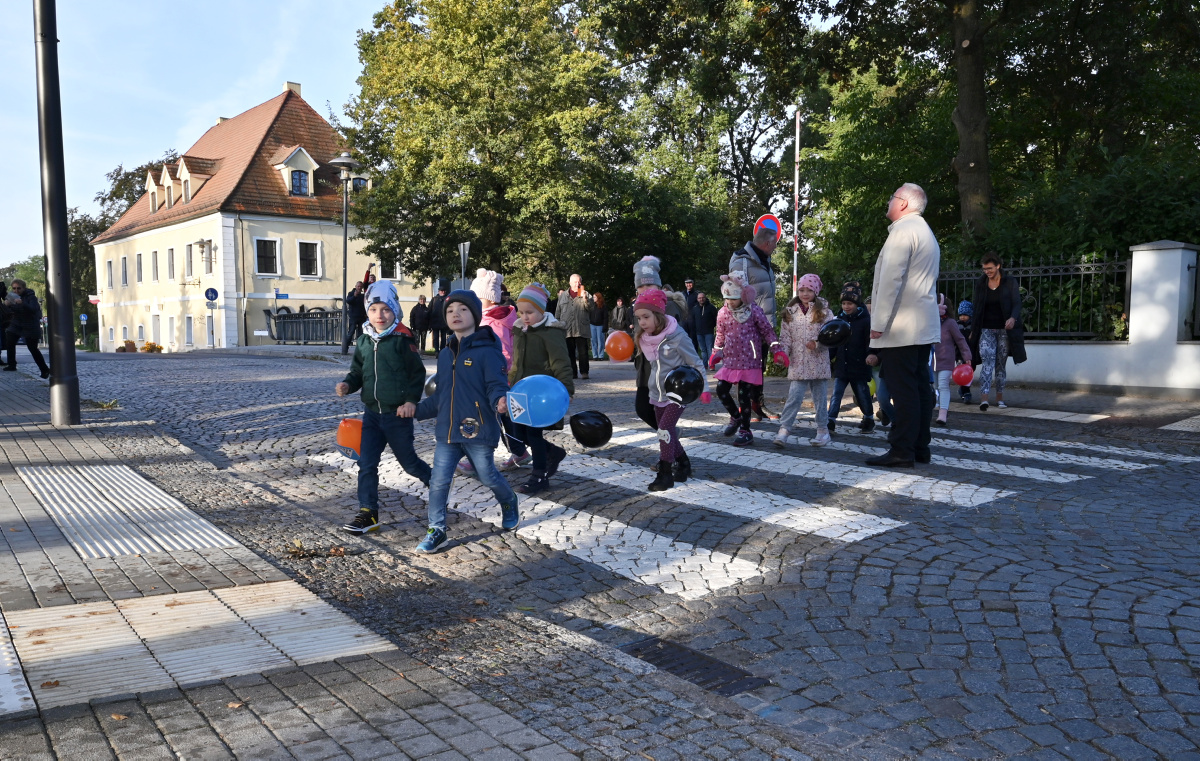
[742, 328]
[806, 314]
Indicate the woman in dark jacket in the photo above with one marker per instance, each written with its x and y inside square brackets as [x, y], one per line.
[598, 320]
[996, 333]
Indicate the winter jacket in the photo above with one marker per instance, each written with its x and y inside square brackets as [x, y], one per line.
[1010, 307]
[676, 350]
[356, 306]
[542, 350]
[470, 381]
[437, 313]
[26, 316]
[501, 320]
[740, 343]
[904, 295]
[418, 318]
[759, 274]
[794, 335]
[574, 313]
[704, 319]
[598, 316]
[952, 343]
[389, 371]
[622, 319]
[851, 357]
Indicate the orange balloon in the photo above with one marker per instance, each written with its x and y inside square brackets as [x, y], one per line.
[619, 346]
[349, 437]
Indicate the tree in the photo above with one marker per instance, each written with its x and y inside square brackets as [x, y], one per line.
[126, 186]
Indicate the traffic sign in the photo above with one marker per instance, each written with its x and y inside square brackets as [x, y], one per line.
[211, 294]
[210, 304]
[83, 318]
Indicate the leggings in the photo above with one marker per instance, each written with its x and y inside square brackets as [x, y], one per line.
[993, 356]
[669, 448]
[741, 410]
[943, 386]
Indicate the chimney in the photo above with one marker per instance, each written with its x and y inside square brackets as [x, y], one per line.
[293, 86]
[222, 119]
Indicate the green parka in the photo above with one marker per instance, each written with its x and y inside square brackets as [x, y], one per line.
[541, 350]
[389, 371]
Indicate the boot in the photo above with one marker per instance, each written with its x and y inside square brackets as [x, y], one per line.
[681, 469]
[664, 480]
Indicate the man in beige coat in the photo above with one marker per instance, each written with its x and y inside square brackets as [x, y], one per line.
[905, 324]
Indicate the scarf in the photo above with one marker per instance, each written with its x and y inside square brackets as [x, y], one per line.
[376, 335]
[742, 313]
[649, 343]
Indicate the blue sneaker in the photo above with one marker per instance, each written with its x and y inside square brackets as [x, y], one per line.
[510, 516]
[433, 541]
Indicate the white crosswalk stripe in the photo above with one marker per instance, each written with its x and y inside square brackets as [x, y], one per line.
[1051, 443]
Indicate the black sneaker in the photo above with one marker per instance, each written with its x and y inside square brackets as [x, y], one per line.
[46, 373]
[732, 426]
[535, 485]
[554, 458]
[744, 438]
[365, 522]
[867, 425]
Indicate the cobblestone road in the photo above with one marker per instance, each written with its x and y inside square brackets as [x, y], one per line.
[1034, 591]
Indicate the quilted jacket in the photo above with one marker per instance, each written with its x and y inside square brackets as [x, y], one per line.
[794, 335]
[740, 343]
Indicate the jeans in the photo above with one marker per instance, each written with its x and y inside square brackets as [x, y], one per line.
[445, 459]
[943, 386]
[885, 399]
[577, 350]
[860, 389]
[704, 347]
[352, 334]
[818, 388]
[31, 342]
[906, 370]
[597, 342]
[538, 446]
[380, 430]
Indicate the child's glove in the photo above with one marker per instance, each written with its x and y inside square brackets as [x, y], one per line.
[713, 360]
[705, 397]
[781, 359]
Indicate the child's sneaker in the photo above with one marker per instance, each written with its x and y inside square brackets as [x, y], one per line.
[510, 516]
[744, 438]
[365, 522]
[966, 398]
[781, 438]
[554, 458]
[536, 484]
[513, 462]
[732, 426]
[433, 541]
[822, 438]
[983, 406]
[465, 468]
[1002, 405]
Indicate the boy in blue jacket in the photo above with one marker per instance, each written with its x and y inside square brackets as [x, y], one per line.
[389, 371]
[470, 397]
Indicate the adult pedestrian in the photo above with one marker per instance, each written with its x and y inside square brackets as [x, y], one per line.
[26, 322]
[703, 317]
[574, 312]
[356, 315]
[905, 324]
[997, 333]
[622, 317]
[598, 315]
[754, 262]
[5, 315]
[437, 318]
[689, 297]
[418, 320]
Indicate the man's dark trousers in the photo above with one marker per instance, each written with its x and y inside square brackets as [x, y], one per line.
[31, 343]
[906, 371]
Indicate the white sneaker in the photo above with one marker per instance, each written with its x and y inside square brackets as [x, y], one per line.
[1002, 405]
[821, 439]
[781, 438]
[513, 462]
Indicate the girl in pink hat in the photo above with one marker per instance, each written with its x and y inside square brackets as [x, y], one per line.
[803, 319]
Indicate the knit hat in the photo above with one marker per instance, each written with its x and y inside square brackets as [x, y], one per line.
[646, 272]
[810, 281]
[852, 291]
[384, 292]
[469, 299]
[652, 299]
[536, 294]
[966, 307]
[734, 287]
[486, 285]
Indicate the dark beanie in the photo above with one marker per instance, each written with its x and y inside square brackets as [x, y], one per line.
[470, 299]
[852, 291]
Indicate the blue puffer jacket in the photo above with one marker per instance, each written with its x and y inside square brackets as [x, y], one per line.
[470, 380]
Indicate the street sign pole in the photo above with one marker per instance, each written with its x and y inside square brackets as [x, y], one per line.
[463, 249]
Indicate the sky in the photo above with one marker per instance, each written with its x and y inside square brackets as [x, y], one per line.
[139, 78]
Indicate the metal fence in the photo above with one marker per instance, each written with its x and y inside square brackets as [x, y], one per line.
[311, 327]
[1082, 302]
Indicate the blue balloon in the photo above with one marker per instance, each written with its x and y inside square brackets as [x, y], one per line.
[539, 401]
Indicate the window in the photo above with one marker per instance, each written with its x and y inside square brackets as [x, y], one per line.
[124, 332]
[358, 183]
[187, 330]
[170, 196]
[170, 264]
[387, 270]
[299, 182]
[207, 252]
[266, 256]
[171, 330]
[154, 266]
[153, 201]
[187, 191]
[141, 332]
[108, 270]
[124, 271]
[112, 335]
[308, 259]
[138, 272]
[187, 261]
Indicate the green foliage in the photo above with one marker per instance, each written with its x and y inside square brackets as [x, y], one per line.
[126, 186]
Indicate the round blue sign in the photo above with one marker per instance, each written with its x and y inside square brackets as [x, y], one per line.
[83, 318]
[211, 294]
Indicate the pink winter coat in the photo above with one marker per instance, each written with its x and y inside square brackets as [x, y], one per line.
[943, 355]
[501, 319]
[794, 335]
[740, 343]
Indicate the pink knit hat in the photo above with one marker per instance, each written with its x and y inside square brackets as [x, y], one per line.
[810, 281]
[652, 299]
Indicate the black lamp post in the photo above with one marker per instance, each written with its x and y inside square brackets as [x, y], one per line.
[345, 165]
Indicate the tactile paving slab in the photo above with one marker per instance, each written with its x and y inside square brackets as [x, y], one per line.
[15, 696]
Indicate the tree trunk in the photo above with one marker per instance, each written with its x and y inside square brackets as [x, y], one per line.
[970, 118]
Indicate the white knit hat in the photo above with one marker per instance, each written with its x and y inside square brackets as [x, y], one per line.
[486, 285]
[733, 286]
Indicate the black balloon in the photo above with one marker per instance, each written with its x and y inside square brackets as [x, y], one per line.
[683, 384]
[591, 428]
[834, 334]
[431, 385]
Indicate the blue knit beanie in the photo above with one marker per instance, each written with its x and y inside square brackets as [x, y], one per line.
[965, 307]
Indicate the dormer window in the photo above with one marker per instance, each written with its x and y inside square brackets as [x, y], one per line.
[187, 191]
[170, 197]
[296, 168]
[153, 201]
[299, 182]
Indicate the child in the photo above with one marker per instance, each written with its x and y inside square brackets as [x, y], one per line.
[539, 348]
[646, 275]
[952, 343]
[500, 318]
[470, 386]
[741, 329]
[388, 369]
[665, 345]
[966, 310]
[852, 369]
[803, 319]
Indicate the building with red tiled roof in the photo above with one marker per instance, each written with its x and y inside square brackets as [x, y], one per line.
[253, 211]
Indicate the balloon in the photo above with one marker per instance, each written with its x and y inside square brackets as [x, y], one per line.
[962, 375]
[538, 401]
[683, 384]
[431, 385]
[871, 383]
[591, 428]
[834, 334]
[619, 346]
[349, 437]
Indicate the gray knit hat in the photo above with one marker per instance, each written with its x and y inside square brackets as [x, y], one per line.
[646, 272]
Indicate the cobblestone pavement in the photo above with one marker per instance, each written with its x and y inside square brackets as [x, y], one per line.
[1032, 592]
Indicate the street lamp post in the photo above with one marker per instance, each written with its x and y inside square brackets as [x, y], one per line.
[346, 165]
[463, 250]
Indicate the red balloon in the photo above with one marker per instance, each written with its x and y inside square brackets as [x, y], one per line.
[962, 375]
[619, 346]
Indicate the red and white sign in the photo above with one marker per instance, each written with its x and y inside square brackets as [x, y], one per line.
[771, 222]
[93, 299]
